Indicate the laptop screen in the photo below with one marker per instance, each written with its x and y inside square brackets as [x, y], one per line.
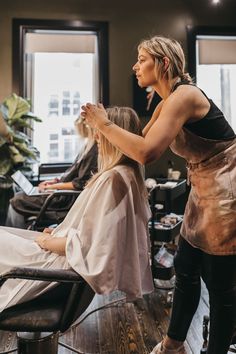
[22, 181]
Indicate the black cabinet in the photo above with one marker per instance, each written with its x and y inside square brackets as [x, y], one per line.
[164, 225]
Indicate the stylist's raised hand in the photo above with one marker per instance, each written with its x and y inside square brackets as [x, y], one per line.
[95, 115]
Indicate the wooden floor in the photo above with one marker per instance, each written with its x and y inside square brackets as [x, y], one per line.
[123, 328]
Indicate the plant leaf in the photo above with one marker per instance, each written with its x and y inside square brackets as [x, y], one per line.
[5, 166]
[3, 141]
[19, 122]
[31, 116]
[4, 111]
[11, 104]
[19, 153]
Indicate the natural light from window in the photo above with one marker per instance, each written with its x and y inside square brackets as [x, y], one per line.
[62, 82]
[211, 79]
[216, 76]
[60, 75]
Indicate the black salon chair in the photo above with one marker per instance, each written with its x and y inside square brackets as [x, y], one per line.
[41, 221]
[38, 322]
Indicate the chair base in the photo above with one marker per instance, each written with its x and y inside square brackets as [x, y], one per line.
[37, 343]
[71, 348]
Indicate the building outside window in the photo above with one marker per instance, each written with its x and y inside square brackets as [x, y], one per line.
[53, 150]
[53, 105]
[61, 83]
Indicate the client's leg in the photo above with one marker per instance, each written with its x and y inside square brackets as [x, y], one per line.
[18, 251]
[15, 219]
[23, 206]
[219, 273]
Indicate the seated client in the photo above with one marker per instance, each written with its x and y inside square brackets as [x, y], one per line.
[23, 206]
[104, 236]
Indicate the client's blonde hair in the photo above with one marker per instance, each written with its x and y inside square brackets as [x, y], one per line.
[83, 129]
[110, 155]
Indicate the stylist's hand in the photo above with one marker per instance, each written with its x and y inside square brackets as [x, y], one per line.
[95, 115]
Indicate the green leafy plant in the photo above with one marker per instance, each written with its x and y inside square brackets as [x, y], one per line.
[16, 150]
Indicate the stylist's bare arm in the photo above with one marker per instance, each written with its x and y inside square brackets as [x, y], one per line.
[174, 112]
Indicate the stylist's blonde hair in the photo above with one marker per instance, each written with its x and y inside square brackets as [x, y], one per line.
[159, 47]
[110, 155]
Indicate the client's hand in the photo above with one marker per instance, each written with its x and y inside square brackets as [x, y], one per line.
[41, 240]
[95, 115]
[42, 185]
[48, 230]
[47, 184]
[53, 244]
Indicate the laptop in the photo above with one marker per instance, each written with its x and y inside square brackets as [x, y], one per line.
[27, 187]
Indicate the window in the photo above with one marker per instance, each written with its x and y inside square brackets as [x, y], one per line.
[53, 136]
[63, 65]
[67, 131]
[76, 103]
[212, 62]
[53, 151]
[68, 149]
[53, 105]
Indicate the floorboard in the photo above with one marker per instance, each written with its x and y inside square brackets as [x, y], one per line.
[123, 328]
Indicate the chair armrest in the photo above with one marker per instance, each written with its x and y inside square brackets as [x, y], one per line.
[52, 275]
[55, 194]
[66, 192]
[49, 200]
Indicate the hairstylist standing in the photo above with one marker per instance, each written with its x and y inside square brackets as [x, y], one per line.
[188, 122]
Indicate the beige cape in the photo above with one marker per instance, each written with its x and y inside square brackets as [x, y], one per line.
[107, 242]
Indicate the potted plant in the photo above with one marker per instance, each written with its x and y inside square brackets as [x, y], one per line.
[16, 150]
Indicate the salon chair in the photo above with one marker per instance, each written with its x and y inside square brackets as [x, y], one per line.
[38, 322]
[40, 221]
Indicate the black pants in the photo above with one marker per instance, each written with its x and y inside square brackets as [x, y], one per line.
[219, 274]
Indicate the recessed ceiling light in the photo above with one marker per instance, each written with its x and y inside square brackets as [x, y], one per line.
[215, 2]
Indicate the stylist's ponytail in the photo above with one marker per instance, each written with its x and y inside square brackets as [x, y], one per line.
[185, 77]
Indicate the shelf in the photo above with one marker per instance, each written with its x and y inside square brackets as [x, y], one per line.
[165, 235]
[159, 233]
[170, 193]
[162, 273]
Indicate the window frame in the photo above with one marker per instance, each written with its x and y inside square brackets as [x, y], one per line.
[21, 26]
[193, 32]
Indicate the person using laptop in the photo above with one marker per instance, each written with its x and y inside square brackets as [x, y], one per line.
[29, 202]
[27, 187]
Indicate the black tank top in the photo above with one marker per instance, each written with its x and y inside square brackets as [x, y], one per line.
[213, 126]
